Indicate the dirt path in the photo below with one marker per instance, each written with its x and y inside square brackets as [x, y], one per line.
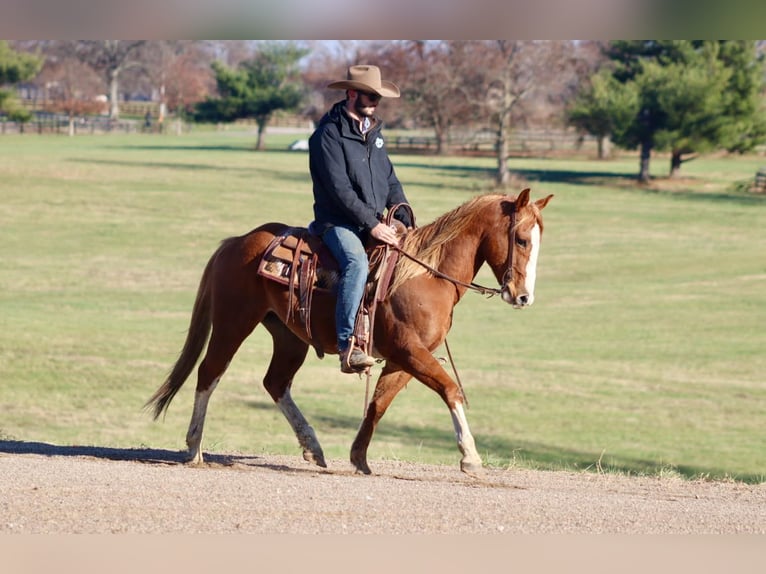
[50, 489]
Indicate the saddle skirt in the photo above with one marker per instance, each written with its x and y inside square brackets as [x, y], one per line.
[287, 253]
[302, 262]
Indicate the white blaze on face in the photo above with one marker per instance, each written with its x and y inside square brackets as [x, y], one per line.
[532, 263]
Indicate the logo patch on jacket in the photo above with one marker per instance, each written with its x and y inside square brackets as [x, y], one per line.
[379, 142]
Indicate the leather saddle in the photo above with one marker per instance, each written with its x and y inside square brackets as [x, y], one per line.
[302, 262]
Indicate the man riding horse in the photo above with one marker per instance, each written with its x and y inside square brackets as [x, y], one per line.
[354, 182]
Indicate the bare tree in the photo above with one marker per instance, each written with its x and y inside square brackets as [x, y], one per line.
[512, 70]
[231, 53]
[71, 88]
[188, 79]
[178, 74]
[435, 85]
[110, 58]
[503, 84]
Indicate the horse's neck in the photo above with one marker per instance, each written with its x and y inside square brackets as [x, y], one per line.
[462, 257]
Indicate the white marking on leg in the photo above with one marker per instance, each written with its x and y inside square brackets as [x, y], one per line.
[194, 435]
[301, 427]
[465, 440]
[532, 264]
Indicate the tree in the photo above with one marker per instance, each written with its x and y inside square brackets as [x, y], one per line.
[15, 67]
[71, 88]
[435, 91]
[693, 96]
[109, 58]
[513, 72]
[186, 81]
[259, 87]
[603, 108]
[177, 74]
[744, 96]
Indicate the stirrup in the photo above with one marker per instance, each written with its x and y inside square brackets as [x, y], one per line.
[354, 360]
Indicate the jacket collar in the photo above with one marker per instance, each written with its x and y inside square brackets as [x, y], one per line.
[349, 126]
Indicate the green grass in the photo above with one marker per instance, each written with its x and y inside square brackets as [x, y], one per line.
[643, 354]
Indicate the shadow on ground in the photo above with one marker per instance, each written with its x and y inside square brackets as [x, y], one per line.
[529, 454]
[145, 455]
[505, 452]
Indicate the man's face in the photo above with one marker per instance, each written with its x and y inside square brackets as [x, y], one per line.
[365, 103]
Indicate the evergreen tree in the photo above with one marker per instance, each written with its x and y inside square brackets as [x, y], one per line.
[693, 97]
[605, 108]
[256, 89]
[15, 67]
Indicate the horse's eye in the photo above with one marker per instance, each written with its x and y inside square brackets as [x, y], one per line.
[521, 242]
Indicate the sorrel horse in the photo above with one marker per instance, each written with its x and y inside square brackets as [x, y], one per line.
[232, 299]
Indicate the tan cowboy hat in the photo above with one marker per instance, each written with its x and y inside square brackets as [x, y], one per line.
[366, 79]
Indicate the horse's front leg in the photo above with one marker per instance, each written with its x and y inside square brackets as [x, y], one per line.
[391, 381]
[421, 364]
[471, 461]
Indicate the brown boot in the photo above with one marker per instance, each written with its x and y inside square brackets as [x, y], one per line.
[354, 360]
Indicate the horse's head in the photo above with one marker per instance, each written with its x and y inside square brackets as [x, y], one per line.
[525, 230]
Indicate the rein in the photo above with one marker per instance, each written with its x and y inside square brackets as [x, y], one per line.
[491, 291]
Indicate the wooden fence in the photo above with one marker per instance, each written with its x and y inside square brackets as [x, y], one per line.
[759, 185]
[485, 141]
[54, 124]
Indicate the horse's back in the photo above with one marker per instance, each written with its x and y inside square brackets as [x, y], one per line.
[251, 245]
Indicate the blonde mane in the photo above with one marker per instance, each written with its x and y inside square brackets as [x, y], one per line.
[427, 243]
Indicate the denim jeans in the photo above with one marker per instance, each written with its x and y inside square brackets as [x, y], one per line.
[348, 249]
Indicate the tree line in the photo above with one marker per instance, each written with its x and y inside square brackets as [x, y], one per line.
[682, 97]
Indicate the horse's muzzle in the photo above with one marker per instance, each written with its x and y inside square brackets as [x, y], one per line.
[517, 300]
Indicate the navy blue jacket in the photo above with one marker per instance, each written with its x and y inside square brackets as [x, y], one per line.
[354, 181]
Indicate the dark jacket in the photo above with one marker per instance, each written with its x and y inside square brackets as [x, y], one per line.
[354, 181]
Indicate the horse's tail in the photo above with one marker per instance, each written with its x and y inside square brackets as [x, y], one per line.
[196, 338]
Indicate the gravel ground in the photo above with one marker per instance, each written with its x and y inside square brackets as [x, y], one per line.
[48, 489]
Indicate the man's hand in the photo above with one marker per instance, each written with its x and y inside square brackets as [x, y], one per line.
[385, 234]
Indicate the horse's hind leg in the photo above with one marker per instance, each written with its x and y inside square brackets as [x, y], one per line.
[391, 381]
[288, 356]
[223, 344]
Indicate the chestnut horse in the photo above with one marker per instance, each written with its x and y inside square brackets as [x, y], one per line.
[232, 299]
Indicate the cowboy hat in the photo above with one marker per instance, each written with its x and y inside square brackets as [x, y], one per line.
[366, 79]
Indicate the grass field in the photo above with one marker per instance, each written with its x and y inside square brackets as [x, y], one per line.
[644, 352]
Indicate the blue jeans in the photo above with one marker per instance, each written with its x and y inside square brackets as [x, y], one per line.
[348, 249]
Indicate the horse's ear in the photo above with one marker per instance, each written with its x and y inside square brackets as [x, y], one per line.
[522, 200]
[540, 203]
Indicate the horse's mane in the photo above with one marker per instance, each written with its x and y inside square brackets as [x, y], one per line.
[427, 243]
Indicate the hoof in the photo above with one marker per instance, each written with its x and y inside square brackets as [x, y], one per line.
[194, 459]
[472, 469]
[314, 458]
[360, 465]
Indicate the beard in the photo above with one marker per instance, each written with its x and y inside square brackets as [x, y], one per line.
[363, 111]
